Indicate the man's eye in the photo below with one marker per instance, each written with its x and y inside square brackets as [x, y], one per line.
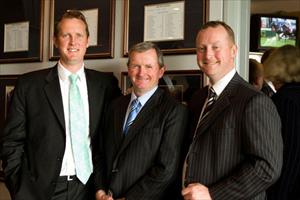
[201, 49]
[133, 66]
[216, 48]
[65, 35]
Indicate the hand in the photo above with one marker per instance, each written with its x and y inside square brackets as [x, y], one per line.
[196, 191]
[101, 195]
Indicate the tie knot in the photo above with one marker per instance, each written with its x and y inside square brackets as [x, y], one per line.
[135, 104]
[73, 78]
[212, 93]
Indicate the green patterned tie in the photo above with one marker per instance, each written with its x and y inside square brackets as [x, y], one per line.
[78, 131]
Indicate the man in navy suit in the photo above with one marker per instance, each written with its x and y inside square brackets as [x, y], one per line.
[236, 151]
[36, 146]
[141, 158]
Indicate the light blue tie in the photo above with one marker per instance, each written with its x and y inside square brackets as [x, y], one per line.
[78, 131]
[134, 110]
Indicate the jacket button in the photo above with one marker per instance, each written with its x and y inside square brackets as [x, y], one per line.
[114, 170]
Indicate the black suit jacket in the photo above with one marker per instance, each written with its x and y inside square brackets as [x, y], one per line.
[33, 141]
[287, 101]
[237, 150]
[144, 163]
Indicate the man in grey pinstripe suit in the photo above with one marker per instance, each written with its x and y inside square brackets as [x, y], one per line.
[236, 151]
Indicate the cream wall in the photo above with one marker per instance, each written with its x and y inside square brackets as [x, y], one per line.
[234, 12]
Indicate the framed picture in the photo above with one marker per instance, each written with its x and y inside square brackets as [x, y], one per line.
[7, 84]
[180, 83]
[171, 24]
[100, 18]
[21, 31]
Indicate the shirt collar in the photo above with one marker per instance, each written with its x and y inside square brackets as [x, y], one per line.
[222, 83]
[64, 74]
[145, 97]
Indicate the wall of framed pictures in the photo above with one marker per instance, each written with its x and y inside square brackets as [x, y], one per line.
[178, 61]
[216, 10]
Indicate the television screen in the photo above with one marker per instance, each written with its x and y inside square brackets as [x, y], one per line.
[269, 31]
[277, 31]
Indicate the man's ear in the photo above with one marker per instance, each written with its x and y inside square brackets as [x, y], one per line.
[54, 39]
[234, 50]
[88, 42]
[162, 71]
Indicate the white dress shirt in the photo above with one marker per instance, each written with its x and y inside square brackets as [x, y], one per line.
[142, 99]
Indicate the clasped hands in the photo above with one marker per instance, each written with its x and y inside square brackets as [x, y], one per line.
[196, 191]
[101, 195]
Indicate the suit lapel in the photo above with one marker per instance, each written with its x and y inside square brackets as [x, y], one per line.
[53, 93]
[95, 94]
[119, 117]
[220, 105]
[92, 96]
[142, 118]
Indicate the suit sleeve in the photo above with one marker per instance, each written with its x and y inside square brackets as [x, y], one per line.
[262, 146]
[13, 138]
[100, 161]
[112, 91]
[164, 170]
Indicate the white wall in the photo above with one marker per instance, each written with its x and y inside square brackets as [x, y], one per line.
[219, 10]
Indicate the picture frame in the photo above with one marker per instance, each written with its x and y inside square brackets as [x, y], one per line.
[7, 84]
[180, 83]
[195, 15]
[21, 31]
[100, 15]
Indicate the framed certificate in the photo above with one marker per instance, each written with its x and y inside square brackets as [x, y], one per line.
[171, 24]
[21, 31]
[100, 18]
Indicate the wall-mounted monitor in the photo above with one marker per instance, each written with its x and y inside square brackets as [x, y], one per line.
[269, 31]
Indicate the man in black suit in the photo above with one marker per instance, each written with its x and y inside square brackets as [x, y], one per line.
[236, 151]
[141, 159]
[37, 144]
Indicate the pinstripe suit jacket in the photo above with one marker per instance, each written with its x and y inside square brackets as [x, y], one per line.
[143, 164]
[237, 150]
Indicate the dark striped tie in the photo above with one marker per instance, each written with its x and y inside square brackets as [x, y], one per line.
[212, 96]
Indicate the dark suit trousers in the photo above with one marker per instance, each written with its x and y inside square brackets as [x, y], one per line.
[73, 190]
